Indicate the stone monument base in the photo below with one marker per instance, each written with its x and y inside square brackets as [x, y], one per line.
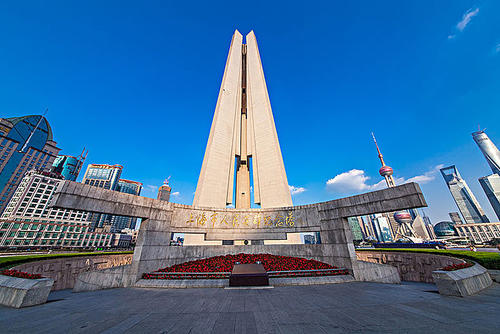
[249, 274]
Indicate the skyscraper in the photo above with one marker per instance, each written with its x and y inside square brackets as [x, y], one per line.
[491, 183]
[490, 151]
[357, 234]
[491, 186]
[25, 143]
[455, 218]
[463, 196]
[102, 176]
[28, 220]
[119, 223]
[164, 191]
[381, 228]
[69, 166]
[243, 138]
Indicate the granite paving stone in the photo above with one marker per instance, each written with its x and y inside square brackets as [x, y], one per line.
[356, 307]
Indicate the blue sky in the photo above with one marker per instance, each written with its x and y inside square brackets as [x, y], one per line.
[137, 82]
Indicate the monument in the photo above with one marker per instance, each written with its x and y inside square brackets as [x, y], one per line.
[242, 131]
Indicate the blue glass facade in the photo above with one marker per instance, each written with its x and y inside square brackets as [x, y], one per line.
[102, 176]
[119, 223]
[26, 143]
[68, 166]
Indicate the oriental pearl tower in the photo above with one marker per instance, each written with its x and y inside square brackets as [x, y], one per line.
[403, 218]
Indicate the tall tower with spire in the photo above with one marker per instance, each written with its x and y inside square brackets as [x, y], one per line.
[385, 170]
[404, 219]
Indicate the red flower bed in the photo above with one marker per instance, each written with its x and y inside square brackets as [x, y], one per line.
[458, 266]
[225, 263]
[20, 274]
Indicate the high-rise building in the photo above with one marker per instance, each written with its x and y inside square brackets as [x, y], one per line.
[29, 222]
[102, 176]
[243, 138]
[491, 186]
[367, 227]
[455, 218]
[357, 234]
[119, 223]
[464, 198]
[490, 151]
[25, 143]
[491, 183]
[164, 191]
[428, 226]
[381, 228]
[69, 166]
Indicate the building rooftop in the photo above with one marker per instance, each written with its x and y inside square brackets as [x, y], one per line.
[15, 120]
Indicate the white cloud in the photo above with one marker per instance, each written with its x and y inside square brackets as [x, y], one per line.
[176, 193]
[351, 181]
[356, 180]
[451, 36]
[151, 188]
[497, 48]
[426, 177]
[467, 18]
[296, 190]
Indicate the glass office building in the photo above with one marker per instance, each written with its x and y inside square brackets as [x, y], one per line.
[490, 151]
[463, 196]
[491, 186]
[26, 143]
[119, 223]
[68, 166]
[382, 228]
[102, 176]
[29, 222]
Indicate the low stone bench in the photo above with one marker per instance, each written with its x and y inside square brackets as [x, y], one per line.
[21, 292]
[462, 282]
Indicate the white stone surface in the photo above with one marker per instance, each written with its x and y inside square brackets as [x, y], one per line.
[232, 135]
[20, 292]
[462, 282]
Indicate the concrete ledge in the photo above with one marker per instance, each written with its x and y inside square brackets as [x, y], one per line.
[222, 283]
[65, 270]
[412, 266]
[182, 283]
[287, 281]
[21, 292]
[462, 282]
[376, 272]
[116, 277]
[495, 275]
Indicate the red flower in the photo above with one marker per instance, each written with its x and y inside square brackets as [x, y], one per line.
[453, 267]
[20, 274]
[219, 267]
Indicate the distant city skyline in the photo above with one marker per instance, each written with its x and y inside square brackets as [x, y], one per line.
[134, 90]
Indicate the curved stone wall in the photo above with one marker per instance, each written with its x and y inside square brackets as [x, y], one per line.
[414, 267]
[65, 270]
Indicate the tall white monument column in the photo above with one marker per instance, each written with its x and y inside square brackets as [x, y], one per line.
[243, 130]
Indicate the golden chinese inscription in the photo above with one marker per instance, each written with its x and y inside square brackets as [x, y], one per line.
[258, 220]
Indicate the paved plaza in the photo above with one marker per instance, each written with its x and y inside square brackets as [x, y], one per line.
[336, 308]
